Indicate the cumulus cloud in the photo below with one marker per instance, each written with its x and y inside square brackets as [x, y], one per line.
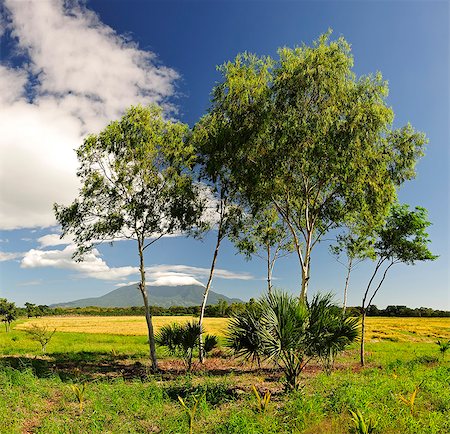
[9, 256]
[78, 75]
[51, 240]
[93, 266]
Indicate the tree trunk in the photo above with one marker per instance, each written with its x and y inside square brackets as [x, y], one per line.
[269, 271]
[347, 279]
[148, 314]
[305, 279]
[201, 352]
[363, 328]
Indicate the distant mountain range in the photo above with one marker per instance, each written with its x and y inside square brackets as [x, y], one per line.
[164, 296]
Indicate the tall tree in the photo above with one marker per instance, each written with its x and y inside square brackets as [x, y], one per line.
[224, 214]
[264, 236]
[304, 133]
[136, 184]
[402, 239]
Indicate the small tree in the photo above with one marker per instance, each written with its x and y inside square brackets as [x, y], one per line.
[8, 311]
[402, 239]
[31, 309]
[264, 236]
[41, 334]
[136, 184]
[355, 247]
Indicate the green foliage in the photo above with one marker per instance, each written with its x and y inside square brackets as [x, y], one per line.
[191, 411]
[181, 339]
[41, 334]
[361, 426]
[304, 134]
[137, 183]
[262, 401]
[79, 394]
[8, 312]
[210, 343]
[443, 347]
[409, 402]
[401, 239]
[290, 333]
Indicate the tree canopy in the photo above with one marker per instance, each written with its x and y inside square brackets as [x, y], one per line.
[304, 133]
[137, 184]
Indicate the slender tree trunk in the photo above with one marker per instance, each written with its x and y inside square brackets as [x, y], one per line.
[269, 271]
[201, 352]
[148, 314]
[363, 328]
[347, 280]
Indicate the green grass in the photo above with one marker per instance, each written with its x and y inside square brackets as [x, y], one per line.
[36, 395]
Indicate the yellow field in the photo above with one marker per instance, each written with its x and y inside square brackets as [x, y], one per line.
[408, 329]
[391, 329]
[120, 325]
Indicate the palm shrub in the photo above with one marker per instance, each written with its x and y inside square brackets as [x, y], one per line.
[181, 339]
[290, 332]
[244, 336]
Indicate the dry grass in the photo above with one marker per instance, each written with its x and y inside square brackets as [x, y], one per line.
[378, 328]
[408, 329]
[119, 325]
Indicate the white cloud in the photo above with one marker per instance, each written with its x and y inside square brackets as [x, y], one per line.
[93, 266]
[175, 280]
[82, 75]
[9, 256]
[50, 240]
[157, 271]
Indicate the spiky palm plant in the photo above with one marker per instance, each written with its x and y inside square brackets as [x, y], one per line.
[243, 335]
[290, 333]
[181, 339]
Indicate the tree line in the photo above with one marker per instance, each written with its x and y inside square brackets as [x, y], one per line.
[291, 149]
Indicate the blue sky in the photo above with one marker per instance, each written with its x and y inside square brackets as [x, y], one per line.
[67, 71]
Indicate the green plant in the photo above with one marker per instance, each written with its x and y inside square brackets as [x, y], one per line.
[191, 411]
[443, 347]
[290, 332]
[263, 401]
[361, 426]
[41, 334]
[181, 339]
[210, 343]
[79, 394]
[409, 402]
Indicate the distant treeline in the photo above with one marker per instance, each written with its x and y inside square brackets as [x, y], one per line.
[400, 311]
[222, 309]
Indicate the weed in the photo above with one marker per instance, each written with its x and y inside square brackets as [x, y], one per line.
[79, 394]
[443, 347]
[411, 400]
[191, 411]
[263, 401]
[361, 426]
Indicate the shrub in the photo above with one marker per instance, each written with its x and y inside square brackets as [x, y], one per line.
[290, 332]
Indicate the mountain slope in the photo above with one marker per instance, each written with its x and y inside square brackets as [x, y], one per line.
[164, 296]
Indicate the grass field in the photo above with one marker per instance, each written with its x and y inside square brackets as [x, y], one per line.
[121, 396]
[378, 328]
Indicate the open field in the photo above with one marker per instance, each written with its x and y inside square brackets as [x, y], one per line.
[122, 396]
[120, 325]
[378, 328]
